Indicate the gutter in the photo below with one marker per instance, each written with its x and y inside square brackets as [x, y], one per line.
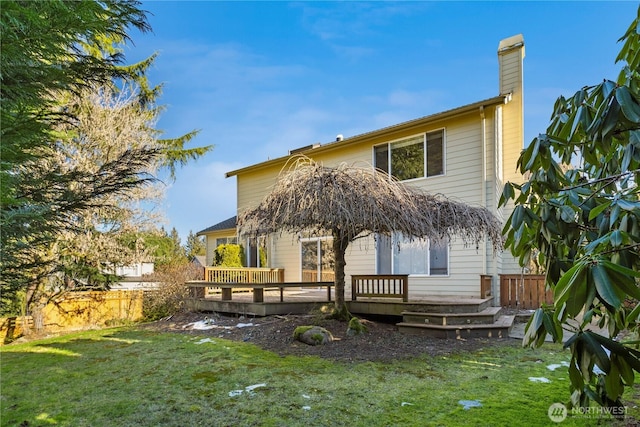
[483, 190]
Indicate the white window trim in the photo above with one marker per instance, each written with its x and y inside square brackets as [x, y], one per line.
[444, 152]
[424, 146]
[448, 247]
[318, 254]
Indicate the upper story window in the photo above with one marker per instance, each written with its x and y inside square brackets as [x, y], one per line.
[415, 157]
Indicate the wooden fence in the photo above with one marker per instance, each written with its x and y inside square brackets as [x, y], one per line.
[76, 311]
[524, 291]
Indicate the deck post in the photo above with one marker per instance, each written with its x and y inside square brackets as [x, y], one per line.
[486, 284]
[258, 295]
[405, 288]
[226, 294]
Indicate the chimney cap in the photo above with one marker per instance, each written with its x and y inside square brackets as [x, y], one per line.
[511, 43]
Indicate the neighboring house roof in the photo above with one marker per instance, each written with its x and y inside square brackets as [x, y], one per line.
[200, 259]
[227, 224]
[316, 148]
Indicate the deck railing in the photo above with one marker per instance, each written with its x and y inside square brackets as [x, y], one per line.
[380, 286]
[201, 289]
[243, 275]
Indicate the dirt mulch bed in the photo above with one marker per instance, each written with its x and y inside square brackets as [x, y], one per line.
[382, 341]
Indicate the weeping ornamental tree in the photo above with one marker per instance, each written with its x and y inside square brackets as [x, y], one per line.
[579, 213]
[349, 202]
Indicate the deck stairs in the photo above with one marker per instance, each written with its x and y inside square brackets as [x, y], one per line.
[470, 318]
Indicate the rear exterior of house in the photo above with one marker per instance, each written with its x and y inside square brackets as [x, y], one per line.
[465, 154]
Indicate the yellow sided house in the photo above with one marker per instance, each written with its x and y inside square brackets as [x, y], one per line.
[466, 154]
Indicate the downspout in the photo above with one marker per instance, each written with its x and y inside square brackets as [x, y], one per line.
[483, 190]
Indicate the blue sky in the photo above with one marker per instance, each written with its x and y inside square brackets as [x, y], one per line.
[261, 78]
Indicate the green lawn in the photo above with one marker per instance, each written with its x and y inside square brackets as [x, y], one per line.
[128, 377]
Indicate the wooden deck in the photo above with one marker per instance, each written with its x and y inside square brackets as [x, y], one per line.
[387, 295]
[448, 317]
[301, 301]
[275, 301]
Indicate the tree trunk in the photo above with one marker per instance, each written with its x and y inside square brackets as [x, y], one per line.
[31, 296]
[340, 244]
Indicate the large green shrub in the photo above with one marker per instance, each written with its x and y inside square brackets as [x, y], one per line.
[229, 255]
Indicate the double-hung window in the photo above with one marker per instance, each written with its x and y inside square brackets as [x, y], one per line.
[415, 157]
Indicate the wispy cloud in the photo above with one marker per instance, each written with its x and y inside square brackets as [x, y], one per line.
[348, 27]
[347, 20]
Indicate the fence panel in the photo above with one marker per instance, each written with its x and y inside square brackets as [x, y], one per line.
[524, 291]
[75, 311]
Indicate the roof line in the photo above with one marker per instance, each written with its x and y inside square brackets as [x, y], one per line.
[227, 224]
[500, 99]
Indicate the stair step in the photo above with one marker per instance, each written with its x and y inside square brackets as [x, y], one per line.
[498, 329]
[449, 305]
[488, 315]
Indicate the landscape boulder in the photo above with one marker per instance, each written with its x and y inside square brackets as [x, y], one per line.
[312, 335]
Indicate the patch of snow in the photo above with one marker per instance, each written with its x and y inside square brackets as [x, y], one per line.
[555, 366]
[249, 389]
[539, 380]
[204, 325]
[204, 340]
[255, 386]
[468, 404]
[201, 325]
[245, 325]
